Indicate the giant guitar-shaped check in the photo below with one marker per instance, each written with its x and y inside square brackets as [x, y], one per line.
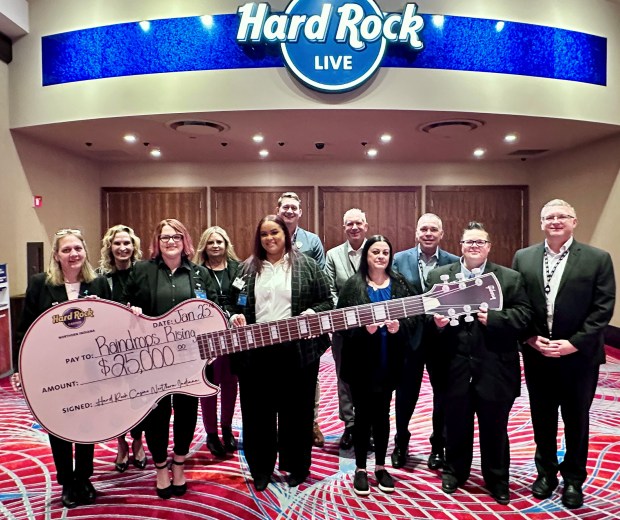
[91, 369]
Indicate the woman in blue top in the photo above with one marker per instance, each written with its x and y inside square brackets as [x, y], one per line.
[372, 357]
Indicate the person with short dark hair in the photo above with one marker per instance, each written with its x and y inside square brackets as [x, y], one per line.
[479, 373]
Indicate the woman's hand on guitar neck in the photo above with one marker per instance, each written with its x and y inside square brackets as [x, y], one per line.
[238, 320]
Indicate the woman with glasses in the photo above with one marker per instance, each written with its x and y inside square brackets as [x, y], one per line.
[154, 287]
[120, 249]
[69, 276]
[373, 356]
[478, 370]
[277, 383]
[217, 254]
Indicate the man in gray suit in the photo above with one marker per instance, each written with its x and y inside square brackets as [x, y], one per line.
[343, 262]
[572, 290]
[415, 264]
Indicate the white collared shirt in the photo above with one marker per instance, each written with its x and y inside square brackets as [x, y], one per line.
[426, 266]
[273, 291]
[554, 283]
[469, 274]
[355, 255]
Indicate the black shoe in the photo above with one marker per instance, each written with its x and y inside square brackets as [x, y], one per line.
[371, 443]
[137, 449]
[399, 457]
[544, 486]
[166, 492]
[181, 489]
[121, 464]
[360, 483]
[572, 496]
[346, 441]
[384, 481]
[294, 479]
[449, 483]
[68, 498]
[435, 460]
[215, 445]
[230, 443]
[85, 492]
[500, 493]
[261, 482]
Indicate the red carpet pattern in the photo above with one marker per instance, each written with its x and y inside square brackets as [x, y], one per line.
[221, 489]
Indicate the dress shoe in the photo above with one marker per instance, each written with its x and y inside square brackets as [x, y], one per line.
[435, 460]
[178, 490]
[68, 498]
[572, 496]
[261, 482]
[121, 463]
[230, 443]
[544, 486]
[500, 493]
[360, 483]
[215, 445]
[384, 481]
[294, 479]
[85, 492]
[139, 457]
[317, 436]
[449, 483]
[399, 457]
[166, 492]
[346, 441]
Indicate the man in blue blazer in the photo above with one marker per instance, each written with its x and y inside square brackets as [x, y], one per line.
[572, 289]
[415, 264]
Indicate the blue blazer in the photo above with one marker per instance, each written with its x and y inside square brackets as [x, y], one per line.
[406, 263]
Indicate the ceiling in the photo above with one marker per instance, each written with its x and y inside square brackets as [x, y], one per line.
[291, 135]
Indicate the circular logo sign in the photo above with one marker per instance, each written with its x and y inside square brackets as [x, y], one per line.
[74, 318]
[330, 53]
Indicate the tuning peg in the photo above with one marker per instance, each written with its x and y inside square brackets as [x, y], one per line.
[469, 318]
[484, 306]
[467, 308]
[459, 276]
[478, 281]
[451, 313]
[445, 287]
[444, 278]
[454, 322]
[476, 271]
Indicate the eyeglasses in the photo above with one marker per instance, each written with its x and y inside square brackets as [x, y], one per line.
[559, 218]
[167, 238]
[478, 243]
[63, 232]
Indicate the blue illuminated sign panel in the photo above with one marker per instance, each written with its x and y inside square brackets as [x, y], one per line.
[330, 46]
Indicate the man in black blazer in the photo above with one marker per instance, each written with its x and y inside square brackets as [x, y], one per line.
[415, 264]
[572, 289]
[478, 372]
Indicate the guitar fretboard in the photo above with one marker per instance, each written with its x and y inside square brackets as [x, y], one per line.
[239, 339]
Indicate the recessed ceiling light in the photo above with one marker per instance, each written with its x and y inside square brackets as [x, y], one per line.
[511, 138]
[264, 153]
[386, 138]
[145, 25]
[372, 152]
[258, 138]
[207, 20]
[130, 138]
[156, 153]
[479, 152]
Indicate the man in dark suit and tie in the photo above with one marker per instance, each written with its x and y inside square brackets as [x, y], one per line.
[572, 289]
[415, 264]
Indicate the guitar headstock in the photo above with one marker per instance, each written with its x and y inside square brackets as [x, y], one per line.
[464, 296]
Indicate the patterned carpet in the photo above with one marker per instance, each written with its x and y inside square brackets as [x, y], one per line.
[220, 489]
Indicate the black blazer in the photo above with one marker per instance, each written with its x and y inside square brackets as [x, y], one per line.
[361, 350]
[41, 296]
[584, 304]
[486, 357]
[141, 289]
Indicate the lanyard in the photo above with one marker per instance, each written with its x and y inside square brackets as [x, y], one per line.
[549, 273]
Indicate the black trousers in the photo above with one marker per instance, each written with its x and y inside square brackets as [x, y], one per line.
[493, 434]
[565, 385]
[62, 451]
[157, 425]
[277, 408]
[407, 394]
[372, 410]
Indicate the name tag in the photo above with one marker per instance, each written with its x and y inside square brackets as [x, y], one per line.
[201, 294]
[239, 283]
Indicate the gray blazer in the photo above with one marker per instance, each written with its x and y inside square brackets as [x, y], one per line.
[339, 268]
